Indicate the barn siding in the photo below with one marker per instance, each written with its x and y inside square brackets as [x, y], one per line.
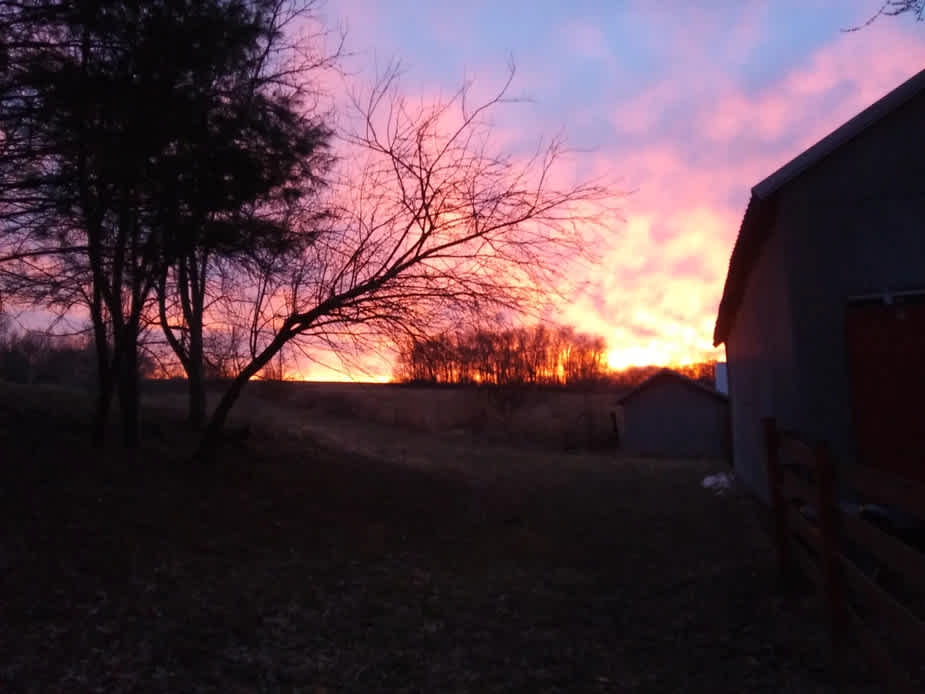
[862, 232]
[760, 357]
[852, 224]
[670, 419]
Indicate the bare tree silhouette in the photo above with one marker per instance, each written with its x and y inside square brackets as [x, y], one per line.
[430, 224]
[894, 8]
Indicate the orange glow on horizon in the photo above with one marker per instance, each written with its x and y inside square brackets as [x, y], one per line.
[623, 358]
[323, 374]
[618, 359]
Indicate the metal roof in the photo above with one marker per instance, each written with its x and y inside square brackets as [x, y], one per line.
[671, 375]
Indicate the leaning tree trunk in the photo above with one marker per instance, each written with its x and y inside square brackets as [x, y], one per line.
[208, 444]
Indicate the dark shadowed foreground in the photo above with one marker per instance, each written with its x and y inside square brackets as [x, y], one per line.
[300, 569]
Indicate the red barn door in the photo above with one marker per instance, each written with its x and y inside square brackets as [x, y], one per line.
[886, 351]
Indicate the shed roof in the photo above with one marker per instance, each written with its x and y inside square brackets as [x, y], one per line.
[762, 206]
[668, 374]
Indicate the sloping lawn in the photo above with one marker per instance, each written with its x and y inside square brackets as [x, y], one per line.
[291, 568]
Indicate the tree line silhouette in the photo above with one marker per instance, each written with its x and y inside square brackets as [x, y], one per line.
[548, 355]
[540, 355]
[35, 357]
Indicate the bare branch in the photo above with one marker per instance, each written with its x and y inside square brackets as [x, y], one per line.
[428, 225]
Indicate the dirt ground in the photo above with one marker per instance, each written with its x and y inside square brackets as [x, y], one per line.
[303, 564]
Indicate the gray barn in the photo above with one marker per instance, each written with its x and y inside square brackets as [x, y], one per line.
[822, 313]
[669, 415]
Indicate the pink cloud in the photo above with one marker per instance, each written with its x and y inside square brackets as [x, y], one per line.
[690, 146]
[810, 101]
[586, 40]
[662, 274]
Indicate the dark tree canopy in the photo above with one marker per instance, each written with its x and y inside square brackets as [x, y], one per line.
[139, 137]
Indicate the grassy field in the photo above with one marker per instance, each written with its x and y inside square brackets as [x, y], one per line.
[549, 418]
[424, 562]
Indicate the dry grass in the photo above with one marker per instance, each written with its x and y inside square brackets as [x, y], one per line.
[297, 567]
[522, 416]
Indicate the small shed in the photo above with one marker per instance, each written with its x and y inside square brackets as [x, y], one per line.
[670, 415]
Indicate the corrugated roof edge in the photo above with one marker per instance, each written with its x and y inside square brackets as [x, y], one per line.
[759, 214]
[756, 226]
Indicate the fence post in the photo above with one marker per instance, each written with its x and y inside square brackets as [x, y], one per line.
[829, 528]
[778, 506]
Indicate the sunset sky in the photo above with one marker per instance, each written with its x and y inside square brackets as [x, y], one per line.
[686, 108]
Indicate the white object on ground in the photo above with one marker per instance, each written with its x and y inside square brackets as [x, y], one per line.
[719, 483]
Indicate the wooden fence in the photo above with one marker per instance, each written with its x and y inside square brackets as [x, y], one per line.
[871, 581]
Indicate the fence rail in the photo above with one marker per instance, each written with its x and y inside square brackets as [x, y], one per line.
[815, 537]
